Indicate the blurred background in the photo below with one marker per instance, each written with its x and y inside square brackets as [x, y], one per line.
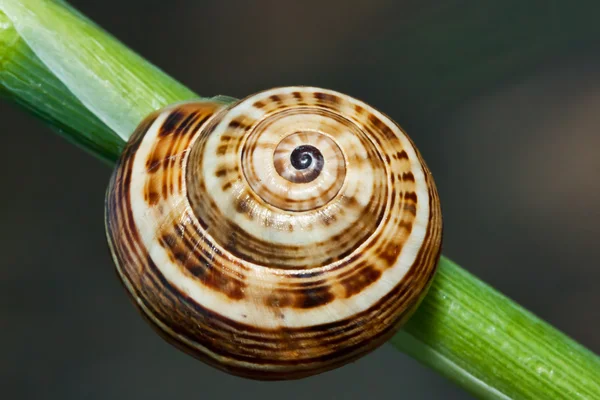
[502, 97]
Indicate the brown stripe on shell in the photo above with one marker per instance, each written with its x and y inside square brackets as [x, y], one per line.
[356, 283]
[326, 98]
[275, 98]
[401, 155]
[169, 149]
[172, 121]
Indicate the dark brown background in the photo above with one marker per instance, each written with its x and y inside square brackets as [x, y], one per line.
[502, 98]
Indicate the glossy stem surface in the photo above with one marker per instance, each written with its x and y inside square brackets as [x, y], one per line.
[93, 90]
[493, 347]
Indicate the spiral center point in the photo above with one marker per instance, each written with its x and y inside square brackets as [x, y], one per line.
[303, 156]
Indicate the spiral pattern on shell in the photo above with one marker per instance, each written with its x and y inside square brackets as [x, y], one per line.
[277, 237]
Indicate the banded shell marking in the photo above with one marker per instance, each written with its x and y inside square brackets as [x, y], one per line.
[277, 237]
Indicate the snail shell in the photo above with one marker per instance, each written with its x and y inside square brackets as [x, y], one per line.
[277, 237]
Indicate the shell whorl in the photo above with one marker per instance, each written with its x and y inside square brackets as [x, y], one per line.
[277, 237]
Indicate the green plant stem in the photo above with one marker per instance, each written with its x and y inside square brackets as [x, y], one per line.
[25, 80]
[62, 68]
[492, 347]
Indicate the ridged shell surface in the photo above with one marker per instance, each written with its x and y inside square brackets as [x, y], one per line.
[277, 237]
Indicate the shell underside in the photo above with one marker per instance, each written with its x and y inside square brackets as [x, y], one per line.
[277, 237]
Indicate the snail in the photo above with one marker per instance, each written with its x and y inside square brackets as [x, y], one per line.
[276, 237]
